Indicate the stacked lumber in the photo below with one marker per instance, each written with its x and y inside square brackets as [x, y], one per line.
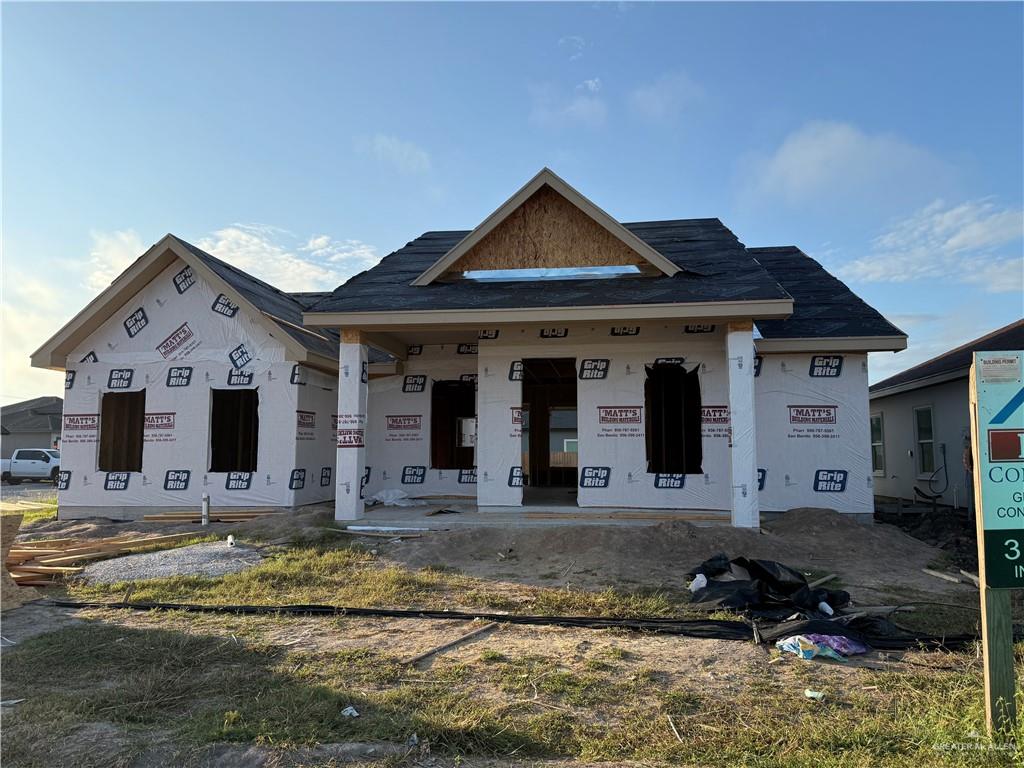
[43, 561]
[224, 516]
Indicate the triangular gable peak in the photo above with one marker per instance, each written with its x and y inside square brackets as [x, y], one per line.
[548, 225]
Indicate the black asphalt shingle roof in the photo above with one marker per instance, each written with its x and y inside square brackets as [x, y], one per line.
[41, 414]
[823, 306]
[716, 267]
[282, 306]
[1009, 337]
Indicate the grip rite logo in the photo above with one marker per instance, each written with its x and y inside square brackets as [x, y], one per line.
[63, 479]
[413, 475]
[240, 357]
[69, 379]
[239, 378]
[222, 305]
[298, 480]
[515, 371]
[467, 349]
[184, 280]
[830, 480]
[595, 477]
[177, 479]
[179, 376]
[594, 369]
[699, 328]
[625, 330]
[554, 333]
[467, 477]
[826, 366]
[120, 378]
[238, 481]
[116, 481]
[325, 476]
[515, 477]
[135, 322]
[669, 481]
[414, 384]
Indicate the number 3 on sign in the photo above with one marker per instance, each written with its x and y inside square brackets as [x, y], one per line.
[1014, 546]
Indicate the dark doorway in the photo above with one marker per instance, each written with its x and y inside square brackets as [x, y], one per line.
[550, 443]
[234, 430]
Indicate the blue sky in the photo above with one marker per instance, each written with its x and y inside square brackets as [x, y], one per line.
[303, 142]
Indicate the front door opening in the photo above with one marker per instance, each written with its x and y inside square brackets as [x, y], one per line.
[550, 439]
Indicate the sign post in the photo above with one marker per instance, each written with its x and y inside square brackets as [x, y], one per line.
[997, 437]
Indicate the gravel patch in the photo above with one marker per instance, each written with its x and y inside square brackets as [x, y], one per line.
[213, 559]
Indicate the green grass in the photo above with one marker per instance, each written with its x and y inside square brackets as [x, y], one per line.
[351, 576]
[204, 689]
[32, 515]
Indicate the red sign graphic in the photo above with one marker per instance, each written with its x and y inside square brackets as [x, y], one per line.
[402, 423]
[158, 421]
[714, 414]
[305, 420]
[620, 414]
[83, 421]
[1006, 445]
[813, 414]
[178, 338]
[350, 438]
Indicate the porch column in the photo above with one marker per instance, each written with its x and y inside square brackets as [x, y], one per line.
[739, 345]
[351, 437]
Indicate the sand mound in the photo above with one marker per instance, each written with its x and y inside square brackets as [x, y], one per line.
[596, 557]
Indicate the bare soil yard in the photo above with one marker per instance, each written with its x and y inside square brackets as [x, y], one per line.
[116, 687]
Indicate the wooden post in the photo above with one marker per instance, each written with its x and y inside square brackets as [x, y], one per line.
[996, 624]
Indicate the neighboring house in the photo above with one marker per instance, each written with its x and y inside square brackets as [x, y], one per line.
[30, 424]
[702, 374]
[187, 376]
[921, 425]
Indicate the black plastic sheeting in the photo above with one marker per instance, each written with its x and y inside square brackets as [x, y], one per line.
[761, 588]
[874, 631]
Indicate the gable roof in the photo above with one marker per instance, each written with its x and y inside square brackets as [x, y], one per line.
[41, 414]
[823, 306]
[954, 364]
[545, 178]
[712, 265]
[279, 312]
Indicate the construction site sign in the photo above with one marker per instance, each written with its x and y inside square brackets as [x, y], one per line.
[998, 394]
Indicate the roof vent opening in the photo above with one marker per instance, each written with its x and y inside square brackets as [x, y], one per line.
[552, 273]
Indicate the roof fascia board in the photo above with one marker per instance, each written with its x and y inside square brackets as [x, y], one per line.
[549, 177]
[909, 386]
[423, 319]
[836, 344]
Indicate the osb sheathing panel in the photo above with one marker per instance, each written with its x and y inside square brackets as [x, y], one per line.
[547, 231]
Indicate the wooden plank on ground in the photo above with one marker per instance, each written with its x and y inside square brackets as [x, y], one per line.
[445, 646]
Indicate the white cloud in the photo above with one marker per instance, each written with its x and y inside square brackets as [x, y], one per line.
[404, 156]
[554, 109]
[961, 242]
[264, 253]
[110, 255]
[666, 97]
[593, 85]
[573, 45]
[826, 159]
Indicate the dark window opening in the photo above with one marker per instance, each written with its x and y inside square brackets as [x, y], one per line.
[122, 421]
[672, 420]
[234, 430]
[450, 403]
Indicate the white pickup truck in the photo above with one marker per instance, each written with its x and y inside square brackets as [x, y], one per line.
[30, 464]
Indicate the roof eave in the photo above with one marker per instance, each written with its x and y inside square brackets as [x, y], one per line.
[927, 381]
[708, 310]
[833, 344]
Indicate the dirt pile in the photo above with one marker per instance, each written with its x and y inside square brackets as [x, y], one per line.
[870, 557]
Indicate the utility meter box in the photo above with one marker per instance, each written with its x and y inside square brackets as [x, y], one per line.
[467, 432]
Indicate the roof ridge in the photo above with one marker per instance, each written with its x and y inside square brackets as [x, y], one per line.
[235, 269]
